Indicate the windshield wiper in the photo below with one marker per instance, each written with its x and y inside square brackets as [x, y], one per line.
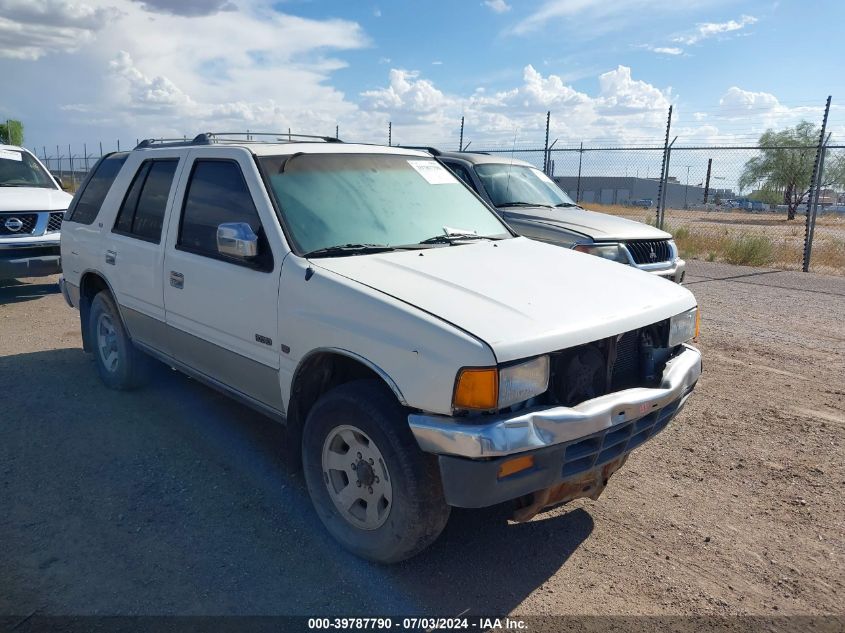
[349, 249]
[453, 238]
[565, 204]
[525, 204]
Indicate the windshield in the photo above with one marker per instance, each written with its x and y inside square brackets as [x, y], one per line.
[19, 169]
[518, 184]
[329, 200]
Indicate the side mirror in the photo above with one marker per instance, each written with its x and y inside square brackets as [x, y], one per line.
[61, 184]
[237, 239]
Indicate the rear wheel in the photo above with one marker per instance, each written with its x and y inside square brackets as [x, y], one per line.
[119, 363]
[373, 488]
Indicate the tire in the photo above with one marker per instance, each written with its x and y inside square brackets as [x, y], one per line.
[120, 364]
[409, 510]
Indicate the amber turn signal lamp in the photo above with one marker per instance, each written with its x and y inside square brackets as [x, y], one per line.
[476, 388]
[697, 322]
[516, 465]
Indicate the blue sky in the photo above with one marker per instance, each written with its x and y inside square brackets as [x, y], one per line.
[92, 70]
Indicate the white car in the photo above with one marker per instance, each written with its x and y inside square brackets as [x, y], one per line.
[419, 354]
[32, 205]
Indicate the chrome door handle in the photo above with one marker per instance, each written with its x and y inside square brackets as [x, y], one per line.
[177, 280]
[111, 257]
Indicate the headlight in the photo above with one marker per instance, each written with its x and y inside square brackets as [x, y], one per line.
[488, 388]
[613, 252]
[683, 327]
[518, 383]
[674, 248]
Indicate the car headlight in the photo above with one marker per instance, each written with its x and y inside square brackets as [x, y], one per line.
[684, 326]
[488, 388]
[518, 383]
[674, 248]
[613, 252]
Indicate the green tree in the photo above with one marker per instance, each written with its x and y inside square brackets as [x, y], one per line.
[11, 132]
[784, 166]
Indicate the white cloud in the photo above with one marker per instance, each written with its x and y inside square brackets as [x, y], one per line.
[667, 50]
[589, 18]
[497, 6]
[187, 7]
[31, 29]
[624, 106]
[737, 98]
[706, 30]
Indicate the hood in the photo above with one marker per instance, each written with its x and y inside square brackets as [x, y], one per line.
[598, 226]
[33, 199]
[520, 297]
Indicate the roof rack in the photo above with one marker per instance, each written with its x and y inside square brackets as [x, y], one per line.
[431, 150]
[235, 138]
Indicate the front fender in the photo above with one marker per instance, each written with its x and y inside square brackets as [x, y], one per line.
[417, 353]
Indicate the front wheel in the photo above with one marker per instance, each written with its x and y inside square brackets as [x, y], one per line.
[373, 488]
[119, 363]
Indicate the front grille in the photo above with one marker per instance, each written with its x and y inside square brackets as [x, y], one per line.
[27, 221]
[632, 359]
[605, 446]
[55, 221]
[650, 251]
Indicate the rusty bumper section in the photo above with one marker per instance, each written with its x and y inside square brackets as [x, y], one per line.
[590, 485]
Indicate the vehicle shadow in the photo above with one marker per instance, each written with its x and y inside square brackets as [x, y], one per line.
[17, 291]
[174, 499]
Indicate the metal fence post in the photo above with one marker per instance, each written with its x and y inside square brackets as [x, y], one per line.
[546, 151]
[390, 133]
[663, 169]
[661, 202]
[813, 195]
[578, 184]
[461, 140]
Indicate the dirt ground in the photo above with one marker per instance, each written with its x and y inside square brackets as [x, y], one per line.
[174, 500]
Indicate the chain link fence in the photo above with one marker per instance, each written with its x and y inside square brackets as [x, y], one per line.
[705, 198]
[702, 195]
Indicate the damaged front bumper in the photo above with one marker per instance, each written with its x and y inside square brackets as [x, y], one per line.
[575, 449]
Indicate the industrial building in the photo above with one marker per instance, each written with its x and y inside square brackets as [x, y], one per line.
[630, 189]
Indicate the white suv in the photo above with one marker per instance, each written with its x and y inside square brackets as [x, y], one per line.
[419, 354]
[32, 205]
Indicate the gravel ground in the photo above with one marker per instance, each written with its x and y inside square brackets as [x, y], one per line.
[174, 500]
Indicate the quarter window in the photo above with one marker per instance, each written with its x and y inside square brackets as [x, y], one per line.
[217, 194]
[461, 172]
[86, 205]
[142, 213]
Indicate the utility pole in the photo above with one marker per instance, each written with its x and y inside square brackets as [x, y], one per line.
[461, 141]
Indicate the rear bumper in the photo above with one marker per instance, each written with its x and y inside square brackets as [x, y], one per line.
[69, 292]
[575, 449]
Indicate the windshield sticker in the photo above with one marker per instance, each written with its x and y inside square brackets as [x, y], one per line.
[433, 172]
[9, 155]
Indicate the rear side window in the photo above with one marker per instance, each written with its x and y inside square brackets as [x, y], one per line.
[461, 172]
[142, 213]
[217, 193]
[88, 200]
